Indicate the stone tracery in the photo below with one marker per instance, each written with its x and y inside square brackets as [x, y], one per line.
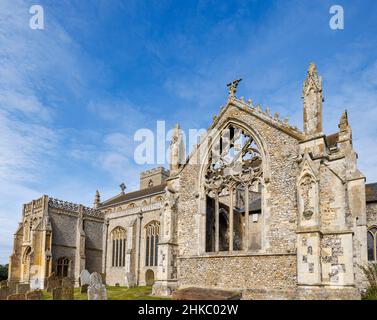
[235, 166]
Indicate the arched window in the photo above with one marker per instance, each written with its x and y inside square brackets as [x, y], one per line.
[372, 244]
[233, 193]
[152, 232]
[118, 238]
[159, 199]
[62, 268]
[131, 205]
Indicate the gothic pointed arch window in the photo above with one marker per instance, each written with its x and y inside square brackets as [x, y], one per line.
[152, 233]
[372, 243]
[233, 192]
[118, 240]
[62, 267]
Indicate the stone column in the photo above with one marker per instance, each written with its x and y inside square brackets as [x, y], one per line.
[217, 223]
[231, 223]
[105, 245]
[80, 246]
[166, 281]
[130, 274]
[246, 244]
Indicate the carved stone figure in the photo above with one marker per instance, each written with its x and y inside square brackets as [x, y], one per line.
[307, 186]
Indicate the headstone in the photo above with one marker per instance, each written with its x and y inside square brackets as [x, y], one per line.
[103, 276]
[96, 290]
[67, 283]
[22, 288]
[52, 282]
[130, 280]
[4, 293]
[67, 293]
[84, 288]
[34, 295]
[17, 296]
[84, 277]
[57, 293]
[34, 284]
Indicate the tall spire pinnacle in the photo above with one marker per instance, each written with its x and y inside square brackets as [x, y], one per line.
[97, 200]
[313, 98]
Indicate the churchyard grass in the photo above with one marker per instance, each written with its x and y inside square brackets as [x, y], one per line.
[116, 293]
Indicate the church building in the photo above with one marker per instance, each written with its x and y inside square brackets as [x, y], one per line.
[259, 206]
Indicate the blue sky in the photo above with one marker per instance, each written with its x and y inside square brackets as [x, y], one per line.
[72, 95]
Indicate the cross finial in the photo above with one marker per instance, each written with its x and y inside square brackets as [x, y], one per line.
[122, 187]
[232, 87]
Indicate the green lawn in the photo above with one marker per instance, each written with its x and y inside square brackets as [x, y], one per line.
[116, 293]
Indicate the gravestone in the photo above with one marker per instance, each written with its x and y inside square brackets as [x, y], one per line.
[22, 288]
[34, 295]
[84, 281]
[17, 296]
[84, 288]
[34, 284]
[67, 293]
[130, 280]
[57, 293]
[52, 282]
[67, 283]
[96, 290]
[103, 276]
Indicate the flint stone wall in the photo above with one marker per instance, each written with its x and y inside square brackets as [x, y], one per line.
[239, 272]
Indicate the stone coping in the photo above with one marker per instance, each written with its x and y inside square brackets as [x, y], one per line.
[240, 255]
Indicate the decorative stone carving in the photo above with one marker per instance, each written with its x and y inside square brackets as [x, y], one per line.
[313, 99]
[177, 150]
[232, 87]
[73, 207]
[307, 189]
[307, 193]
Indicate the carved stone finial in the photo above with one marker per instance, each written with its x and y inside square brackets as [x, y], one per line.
[277, 115]
[249, 102]
[345, 131]
[343, 123]
[268, 110]
[97, 200]
[122, 187]
[313, 98]
[177, 150]
[232, 87]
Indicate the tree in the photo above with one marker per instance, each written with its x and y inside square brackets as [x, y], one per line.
[3, 272]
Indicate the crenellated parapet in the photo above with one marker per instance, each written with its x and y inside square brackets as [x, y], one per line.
[74, 208]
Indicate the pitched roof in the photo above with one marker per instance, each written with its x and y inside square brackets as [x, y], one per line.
[125, 197]
[371, 192]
